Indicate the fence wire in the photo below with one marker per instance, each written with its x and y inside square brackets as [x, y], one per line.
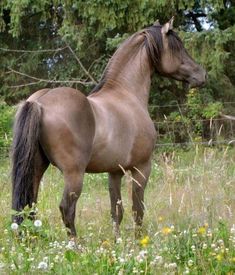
[212, 132]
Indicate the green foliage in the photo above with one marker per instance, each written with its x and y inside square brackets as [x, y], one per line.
[6, 121]
[94, 29]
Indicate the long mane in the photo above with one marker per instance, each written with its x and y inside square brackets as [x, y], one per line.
[154, 46]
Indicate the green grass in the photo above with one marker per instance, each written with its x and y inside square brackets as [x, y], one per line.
[188, 225]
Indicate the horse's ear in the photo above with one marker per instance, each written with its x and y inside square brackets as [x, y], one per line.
[157, 23]
[168, 26]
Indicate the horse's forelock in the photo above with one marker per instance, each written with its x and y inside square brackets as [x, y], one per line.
[154, 43]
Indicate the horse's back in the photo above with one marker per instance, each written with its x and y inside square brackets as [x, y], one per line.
[67, 126]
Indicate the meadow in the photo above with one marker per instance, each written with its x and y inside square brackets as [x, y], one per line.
[189, 224]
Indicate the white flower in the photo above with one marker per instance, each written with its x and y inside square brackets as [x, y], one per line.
[121, 260]
[14, 226]
[143, 253]
[158, 260]
[37, 223]
[190, 262]
[119, 240]
[71, 244]
[172, 266]
[42, 265]
[204, 246]
[233, 229]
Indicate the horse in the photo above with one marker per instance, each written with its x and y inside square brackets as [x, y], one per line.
[110, 130]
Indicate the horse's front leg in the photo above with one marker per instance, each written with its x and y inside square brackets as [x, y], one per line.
[72, 191]
[140, 176]
[116, 200]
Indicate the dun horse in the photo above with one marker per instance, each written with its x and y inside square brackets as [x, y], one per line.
[109, 130]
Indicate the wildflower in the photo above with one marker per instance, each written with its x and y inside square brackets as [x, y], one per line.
[233, 260]
[204, 246]
[172, 266]
[37, 223]
[160, 218]
[42, 265]
[158, 260]
[143, 253]
[145, 241]
[219, 257]
[14, 226]
[119, 240]
[71, 244]
[193, 248]
[135, 270]
[186, 271]
[106, 244]
[190, 262]
[121, 260]
[166, 230]
[232, 230]
[201, 230]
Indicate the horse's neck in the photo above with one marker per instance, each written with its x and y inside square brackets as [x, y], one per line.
[130, 71]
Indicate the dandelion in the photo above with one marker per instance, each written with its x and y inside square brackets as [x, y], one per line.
[145, 241]
[42, 265]
[201, 230]
[219, 257]
[106, 244]
[37, 223]
[166, 230]
[14, 226]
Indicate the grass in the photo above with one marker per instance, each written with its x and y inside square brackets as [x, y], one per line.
[189, 225]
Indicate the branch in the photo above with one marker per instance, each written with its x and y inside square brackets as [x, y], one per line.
[39, 80]
[227, 116]
[33, 51]
[81, 65]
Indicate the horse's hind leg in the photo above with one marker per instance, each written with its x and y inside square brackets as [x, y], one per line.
[72, 191]
[116, 200]
[40, 168]
[41, 165]
[140, 176]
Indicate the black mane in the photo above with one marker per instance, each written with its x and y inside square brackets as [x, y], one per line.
[154, 46]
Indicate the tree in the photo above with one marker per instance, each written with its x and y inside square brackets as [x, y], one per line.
[85, 34]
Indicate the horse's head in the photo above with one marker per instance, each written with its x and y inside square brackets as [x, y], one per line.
[170, 58]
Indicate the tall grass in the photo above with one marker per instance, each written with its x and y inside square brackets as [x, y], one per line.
[188, 226]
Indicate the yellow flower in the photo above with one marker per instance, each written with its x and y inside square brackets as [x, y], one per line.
[166, 230]
[202, 230]
[106, 244]
[145, 241]
[233, 260]
[160, 218]
[219, 257]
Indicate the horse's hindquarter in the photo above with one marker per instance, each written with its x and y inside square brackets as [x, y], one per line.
[124, 135]
[67, 127]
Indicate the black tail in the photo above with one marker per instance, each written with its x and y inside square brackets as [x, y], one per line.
[25, 145]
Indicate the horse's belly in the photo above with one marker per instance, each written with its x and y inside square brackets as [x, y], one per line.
[108, 161]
